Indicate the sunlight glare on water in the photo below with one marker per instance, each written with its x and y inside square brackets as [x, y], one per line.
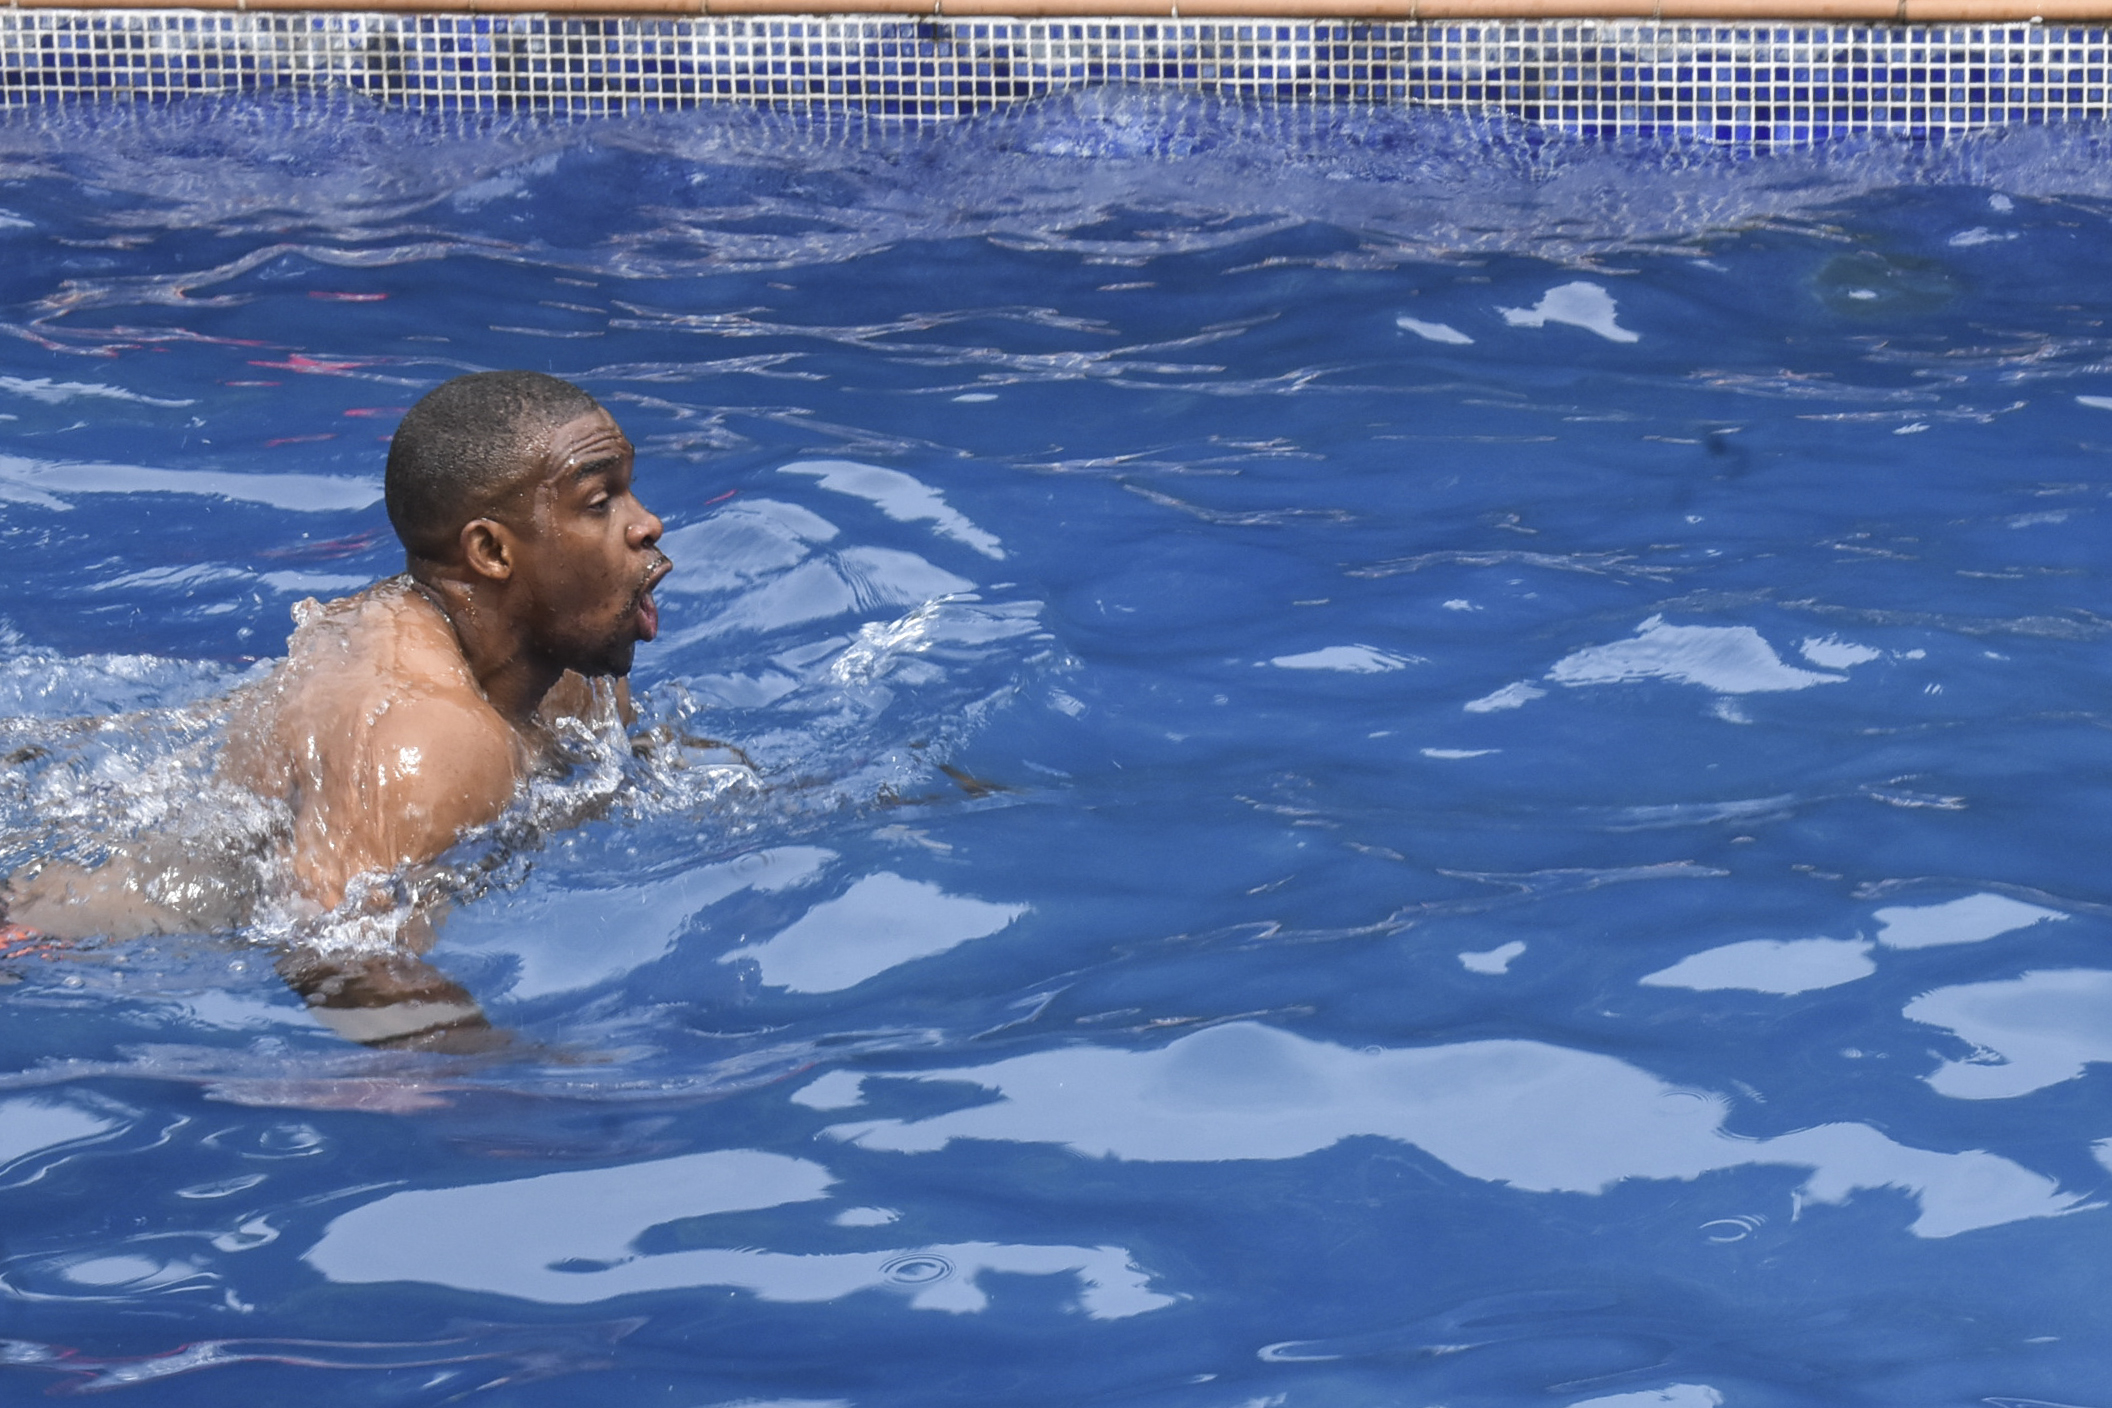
[1398, 763]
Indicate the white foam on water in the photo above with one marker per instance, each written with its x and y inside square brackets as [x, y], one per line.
[504, 184]
[1456, 754]
[1781, 966]
[39, 684]
[1582, 305]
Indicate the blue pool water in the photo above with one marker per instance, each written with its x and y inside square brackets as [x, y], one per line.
[1401, 765]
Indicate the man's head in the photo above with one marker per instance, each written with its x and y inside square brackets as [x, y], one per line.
[465, 446]
[517, 486]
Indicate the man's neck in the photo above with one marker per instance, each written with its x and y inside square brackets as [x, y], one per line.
[512, 674]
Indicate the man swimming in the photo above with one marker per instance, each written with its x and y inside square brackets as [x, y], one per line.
[416, 709]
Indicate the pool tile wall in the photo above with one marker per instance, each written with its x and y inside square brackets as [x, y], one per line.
[1763, 84]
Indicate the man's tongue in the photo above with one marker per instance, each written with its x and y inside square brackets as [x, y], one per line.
[648, 617]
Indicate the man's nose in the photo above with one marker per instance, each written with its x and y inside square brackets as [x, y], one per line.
[646, 531]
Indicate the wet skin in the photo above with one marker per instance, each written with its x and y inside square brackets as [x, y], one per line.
[414, 710]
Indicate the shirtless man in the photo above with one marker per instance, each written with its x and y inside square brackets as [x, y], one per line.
[415, 709]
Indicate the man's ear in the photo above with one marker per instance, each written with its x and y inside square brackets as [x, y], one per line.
[488, 548]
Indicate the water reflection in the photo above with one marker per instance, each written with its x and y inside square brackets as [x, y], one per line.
[901, 497]
[881, 922]
[1769, 965]
[1348, 659]
[1727, 659]
[31, 1126]
[575, 1237]
[1537, 1117]
[1670, 1396]
[1578, 304]
[1963, 921]
[2029, 1032]
[49, 484]
[1787, 966]
[524, 1352]
[1533, 497]
[566, 940]
[760, 552]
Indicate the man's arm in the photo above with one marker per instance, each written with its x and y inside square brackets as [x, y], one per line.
[430, 770]
[68, 901]
[390, 1000]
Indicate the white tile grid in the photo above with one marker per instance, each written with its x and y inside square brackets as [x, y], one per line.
[1764, 84]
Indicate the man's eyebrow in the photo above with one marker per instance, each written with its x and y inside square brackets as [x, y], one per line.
[606, 463]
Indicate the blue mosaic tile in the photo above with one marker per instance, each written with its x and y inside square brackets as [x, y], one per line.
[1763, 84]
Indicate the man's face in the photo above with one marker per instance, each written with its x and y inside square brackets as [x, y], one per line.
[589, 556]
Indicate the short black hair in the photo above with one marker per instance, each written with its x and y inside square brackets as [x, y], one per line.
[462, 444]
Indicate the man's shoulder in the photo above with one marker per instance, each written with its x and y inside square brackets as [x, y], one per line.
[377, 679]
[380, 657]
[378, 639]
[441, 752]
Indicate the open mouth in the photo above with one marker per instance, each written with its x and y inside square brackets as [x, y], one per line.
[647, 611]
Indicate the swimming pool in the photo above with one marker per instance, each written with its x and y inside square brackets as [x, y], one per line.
[1526, 735]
